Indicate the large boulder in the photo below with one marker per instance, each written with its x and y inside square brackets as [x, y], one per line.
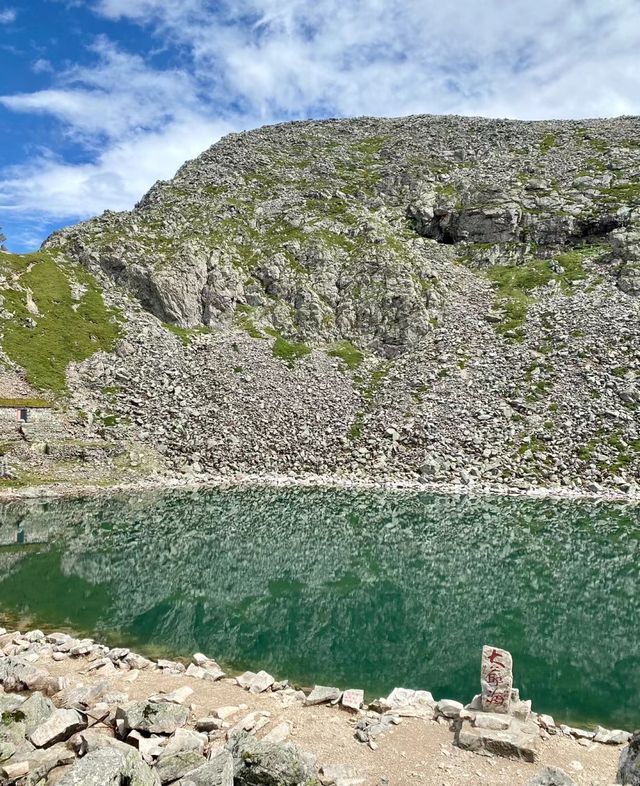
[18, 674]
[41, 762]
[629, 765]
[36, 710]
[216, 772]
[629, 278]
[110, 767]
[61, 725]
[151, 717]
[172, 768]
[258, 763]
[520, 740]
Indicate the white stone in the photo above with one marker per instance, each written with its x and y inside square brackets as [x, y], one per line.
[226, 712]
[449, 708]
[178, 696]
[58, 728]
[492, 720]
[244, 680]
[353, 699]
[261, 682]
[496, 679]
[279, 733]
[611, 737]
[197, 672]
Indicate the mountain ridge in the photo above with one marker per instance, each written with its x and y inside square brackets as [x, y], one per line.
[446, 298]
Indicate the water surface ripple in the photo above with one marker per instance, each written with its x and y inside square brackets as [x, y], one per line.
[358, 589]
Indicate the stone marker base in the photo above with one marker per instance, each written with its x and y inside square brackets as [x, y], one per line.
[510, 737]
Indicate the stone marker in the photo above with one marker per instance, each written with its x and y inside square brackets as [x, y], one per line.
[353, 699]
[496, 679]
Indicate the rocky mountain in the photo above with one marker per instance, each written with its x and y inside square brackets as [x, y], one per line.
[445, 298]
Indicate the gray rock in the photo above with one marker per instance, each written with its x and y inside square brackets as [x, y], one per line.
[449, 708]
[110, 767]
[261, 682]
[178, 765]
[322, 695]
[629, 763]
[259, 763]
[36, 710]
[41, 762]
[163, 718]
[13, 729]
[520, 741]
[18, 674]
[551, 776]
[218, 771]
[611, 736]
[58, 727]
[7, 749]
[185, 740]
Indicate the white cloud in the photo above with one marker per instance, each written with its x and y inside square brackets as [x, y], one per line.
[555, 58]
[245, 62]
[7, 16]
[117, 96]
[116, 179]
[42, 66]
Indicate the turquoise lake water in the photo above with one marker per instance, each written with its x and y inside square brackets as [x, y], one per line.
[354, 589]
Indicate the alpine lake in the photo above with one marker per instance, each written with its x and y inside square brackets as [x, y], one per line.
[348, 588]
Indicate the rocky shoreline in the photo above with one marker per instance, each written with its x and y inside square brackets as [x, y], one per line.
[308, 480]
[108, 717]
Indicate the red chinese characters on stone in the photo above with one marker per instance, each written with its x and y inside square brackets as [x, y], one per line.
[496, 678]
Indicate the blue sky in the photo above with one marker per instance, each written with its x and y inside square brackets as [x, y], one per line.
[100, 98]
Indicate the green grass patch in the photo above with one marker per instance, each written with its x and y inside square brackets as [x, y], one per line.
[548, 142]
[351, 356]
[515, 283]
[370, 146]
[598, 144]
[65, 330]
[289, 351]
[244, 319]
[186, 335]
[622, 192]
[31, 403]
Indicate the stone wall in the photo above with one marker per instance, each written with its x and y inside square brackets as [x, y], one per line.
[42, 424]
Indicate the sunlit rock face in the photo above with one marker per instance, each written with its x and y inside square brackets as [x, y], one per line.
[371, 590]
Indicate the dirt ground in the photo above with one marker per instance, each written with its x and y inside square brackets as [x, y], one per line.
[417, 751]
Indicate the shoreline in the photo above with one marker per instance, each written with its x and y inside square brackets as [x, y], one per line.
[157, 653]
[402, 734]
[327, 482]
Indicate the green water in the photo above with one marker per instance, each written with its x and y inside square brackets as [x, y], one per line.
[368, 590]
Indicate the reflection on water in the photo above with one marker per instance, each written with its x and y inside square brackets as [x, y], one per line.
[358, 589]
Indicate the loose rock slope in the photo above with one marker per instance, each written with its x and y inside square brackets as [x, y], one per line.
[439, 298]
